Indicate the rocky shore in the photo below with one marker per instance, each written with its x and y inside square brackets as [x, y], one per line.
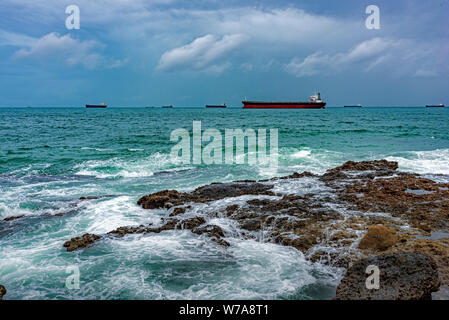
[2, 291]
[357, 214]
[403, 276]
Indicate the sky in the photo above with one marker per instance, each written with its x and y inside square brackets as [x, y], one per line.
[197, 52]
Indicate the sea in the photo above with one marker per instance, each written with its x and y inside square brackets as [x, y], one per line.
[51, 157]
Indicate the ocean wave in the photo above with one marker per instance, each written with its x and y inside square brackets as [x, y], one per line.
[96, 149]
[127, 168]
[312, 160]
[423, 162]
[182, 266]
[304, 153]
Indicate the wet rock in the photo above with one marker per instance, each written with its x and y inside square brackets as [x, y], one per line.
[217, 191]
[438, 251]
[81, 242]
[427, 208]
[302, 243]
[177, 211]
[62, 214]
[96, 197]
[323, 224]
[168, 224]
[211, 230]
[208, 193]
[422, 225]
[251, 225]
[221, 242]
[342, 235]
[231, 209]
[333, 176]
[214, 232]
[2, 291]
[295, 175]
[378, 238]
[122, 231]
[403, 276]
[191, 223]
[13, 218]
[375, 165]
[159, 199]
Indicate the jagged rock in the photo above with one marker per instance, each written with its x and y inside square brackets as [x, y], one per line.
[168, 224]
[214, 232]
[159, 199]
[208, 193]
[410, 204]
[217, 191]
[61, 214]
[191, 223]
[375, 165]
[297, 175]
[177, 211]
[378, 238]
[2, 291]
[13, 218]
[231, 209]
[403, 276]
[81, 242]
[251, 225]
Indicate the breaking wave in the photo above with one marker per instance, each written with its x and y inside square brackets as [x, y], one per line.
[423, 162]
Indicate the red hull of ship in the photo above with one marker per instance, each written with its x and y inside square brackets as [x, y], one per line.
[285, 106]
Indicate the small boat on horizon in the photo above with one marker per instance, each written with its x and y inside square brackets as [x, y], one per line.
[354, 106]
[216, 105]
[315, 102]
[103, 105]
[441, 105]
[167, 107]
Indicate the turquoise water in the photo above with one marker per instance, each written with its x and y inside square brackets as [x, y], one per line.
[51, 157]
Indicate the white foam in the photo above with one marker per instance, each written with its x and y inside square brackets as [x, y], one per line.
[434, 162]
[246, 270]
[102, 216]
[300, 186]
[308, 159]
[304, 153]
[117, 167]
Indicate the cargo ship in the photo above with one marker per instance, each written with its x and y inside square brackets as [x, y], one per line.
[354, 106]
[315, 102]
[103, 105]
[167, 107]
[216, 105]
[435, 106]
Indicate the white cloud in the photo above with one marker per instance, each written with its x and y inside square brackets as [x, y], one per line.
[15, 39]
[305, 43]
[372, 52]
[67, 50]
[288, 26]
[203, 54]
[393, 57]
[368, 49]
[425, 73]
